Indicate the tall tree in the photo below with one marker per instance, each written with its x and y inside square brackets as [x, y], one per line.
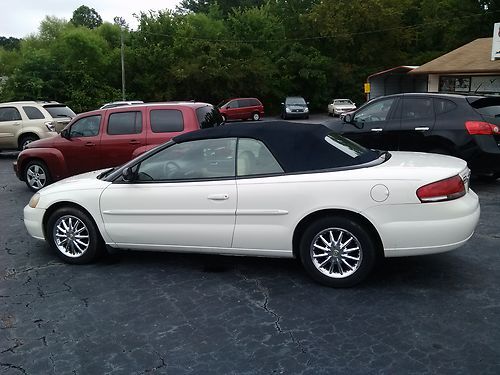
[87, 17]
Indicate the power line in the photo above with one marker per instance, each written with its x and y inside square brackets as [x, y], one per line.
[322, 37]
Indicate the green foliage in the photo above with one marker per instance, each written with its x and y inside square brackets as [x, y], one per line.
[213, 50]
[87, 17]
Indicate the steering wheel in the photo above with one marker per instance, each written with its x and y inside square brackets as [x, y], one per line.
[171, 168]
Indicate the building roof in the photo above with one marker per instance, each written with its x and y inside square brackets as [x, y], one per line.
[398, 69]
[474, 57]
[297, 147]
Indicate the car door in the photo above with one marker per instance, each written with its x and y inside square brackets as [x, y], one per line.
[232, 109]
[184, 197]
[260, 210]
[10, 126]
[123, 133]
[82, 149]
[375, 125]
[417, 122]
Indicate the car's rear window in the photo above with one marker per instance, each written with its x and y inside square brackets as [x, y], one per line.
[59, 111]
[487, 106]
[350, 152]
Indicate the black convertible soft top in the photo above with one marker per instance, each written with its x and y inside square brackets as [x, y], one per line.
[298, 147]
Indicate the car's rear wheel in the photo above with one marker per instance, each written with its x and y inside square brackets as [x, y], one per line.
[256, 116]
[74, 236]
[25, 140]
[337, 252]
[36, 175]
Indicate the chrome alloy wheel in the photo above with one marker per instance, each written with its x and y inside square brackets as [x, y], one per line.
[71, 236]
[336, 253]
[36, 176]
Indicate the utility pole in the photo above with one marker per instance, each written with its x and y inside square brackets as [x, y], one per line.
[121, 23]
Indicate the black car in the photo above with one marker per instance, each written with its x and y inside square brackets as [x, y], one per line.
[458, 125]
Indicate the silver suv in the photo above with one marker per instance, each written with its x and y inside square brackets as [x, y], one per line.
[25, 122]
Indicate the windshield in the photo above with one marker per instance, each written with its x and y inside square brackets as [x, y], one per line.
[295, 101]
[208, 117]
[59, 111]
[343, 102]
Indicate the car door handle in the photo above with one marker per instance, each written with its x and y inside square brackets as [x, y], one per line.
[89, 144]
[422, 128]
[16, 123]
[218, 197]
[376, 129]
[134, 142]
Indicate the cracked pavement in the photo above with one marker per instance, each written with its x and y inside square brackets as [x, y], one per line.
[142, 313]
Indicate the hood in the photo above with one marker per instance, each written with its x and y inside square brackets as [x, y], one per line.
[42, 143]
[84, 181]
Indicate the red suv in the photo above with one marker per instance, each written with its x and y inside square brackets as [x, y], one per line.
[109, 137]
[241, 109]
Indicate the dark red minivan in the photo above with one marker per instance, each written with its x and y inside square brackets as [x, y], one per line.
[241, 109]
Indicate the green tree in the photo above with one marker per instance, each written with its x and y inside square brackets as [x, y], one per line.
[87, 17]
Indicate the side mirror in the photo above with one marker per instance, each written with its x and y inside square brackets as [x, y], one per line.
[282, 103]
[307, 103]
[128, 174]
[65, 134]
[228, 106]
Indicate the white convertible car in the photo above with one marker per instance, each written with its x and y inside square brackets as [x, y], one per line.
[268, 189]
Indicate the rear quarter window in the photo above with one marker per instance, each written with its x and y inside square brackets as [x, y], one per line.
[166, 120]
[443, 106]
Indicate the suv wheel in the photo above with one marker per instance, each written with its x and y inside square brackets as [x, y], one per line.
[25, 140]
[256, 116]
[36, 175]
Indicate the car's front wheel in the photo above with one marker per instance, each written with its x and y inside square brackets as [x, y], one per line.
[256, 116]
[74, 236]
[337, 252]
[36, 175]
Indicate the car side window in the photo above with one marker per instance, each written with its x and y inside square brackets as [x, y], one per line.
[33, 113]
[254, 158]
[9, 114]
[443, 106]
[125, 123]
[166, 120]
[233, 104]
[86, 127]
[417, 109]
[202, 159]
[377, 111]
[245, 103]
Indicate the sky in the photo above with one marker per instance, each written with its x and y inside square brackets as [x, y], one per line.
[22, 17]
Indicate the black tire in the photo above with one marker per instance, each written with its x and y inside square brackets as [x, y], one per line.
[36, 175]
[283, 116]
[25, 140]
[256, 116]
[358, 271]
[94, 243]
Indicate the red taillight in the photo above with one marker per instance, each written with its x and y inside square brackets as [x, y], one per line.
[481, 127]
[444, 190]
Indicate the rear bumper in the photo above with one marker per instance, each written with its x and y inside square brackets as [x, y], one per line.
[487, 157]
[426, 228]
[33, 220]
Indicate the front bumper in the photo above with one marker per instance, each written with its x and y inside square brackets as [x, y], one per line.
[425, 228]
[296, 114]
[33, 220]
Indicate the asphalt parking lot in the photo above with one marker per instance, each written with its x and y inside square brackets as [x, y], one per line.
[139, 313]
